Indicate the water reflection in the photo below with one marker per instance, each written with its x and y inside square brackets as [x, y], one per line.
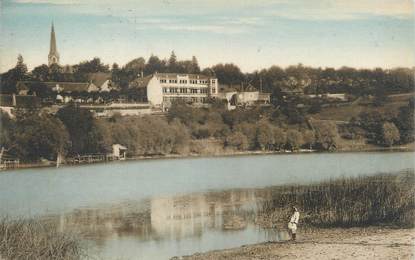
[162, 227]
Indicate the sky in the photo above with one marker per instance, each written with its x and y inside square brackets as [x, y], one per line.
[252, 34]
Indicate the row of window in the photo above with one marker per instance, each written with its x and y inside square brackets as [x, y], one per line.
[187, 90]
[186, 99]
[184, 81]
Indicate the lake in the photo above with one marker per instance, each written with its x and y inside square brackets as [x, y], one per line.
[156, 209]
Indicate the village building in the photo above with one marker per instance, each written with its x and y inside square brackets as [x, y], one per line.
[9, 104]
[119, 152]
[102, 81]
[161, 89]
[239, 96]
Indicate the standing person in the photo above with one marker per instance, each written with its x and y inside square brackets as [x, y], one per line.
[292, 225]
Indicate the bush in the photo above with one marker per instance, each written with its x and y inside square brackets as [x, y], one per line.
[381, 199]
[294, 139]
[35, 239]
[237, 140]
[390, 134]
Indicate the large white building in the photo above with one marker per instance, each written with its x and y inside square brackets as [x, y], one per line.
[162, 89]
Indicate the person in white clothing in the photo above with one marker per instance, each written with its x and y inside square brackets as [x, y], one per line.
[292, 225]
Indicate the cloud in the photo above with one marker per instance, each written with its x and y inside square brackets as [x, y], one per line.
[53, 2]
[345, 9]
[294, 9]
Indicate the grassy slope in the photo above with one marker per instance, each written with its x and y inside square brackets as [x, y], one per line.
[345, 113]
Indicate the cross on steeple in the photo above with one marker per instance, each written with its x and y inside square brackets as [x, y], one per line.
[53, 57]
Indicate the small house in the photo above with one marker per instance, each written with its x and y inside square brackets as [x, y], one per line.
[119, 151]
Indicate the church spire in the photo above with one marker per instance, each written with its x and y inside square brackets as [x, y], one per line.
[53, 57]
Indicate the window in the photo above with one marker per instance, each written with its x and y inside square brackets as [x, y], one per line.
[213, 90]
[164, 90]
[193, 90]
[163, 81]
[213, 81]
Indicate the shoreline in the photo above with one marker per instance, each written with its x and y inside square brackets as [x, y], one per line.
[208, 155]
[375, 242]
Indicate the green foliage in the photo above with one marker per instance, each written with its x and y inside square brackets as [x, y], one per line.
[228, 74]
[405, 123]
[9, 79]
[309, 138]
[390, 134]
[280, 138]
[294, 139]
[41, 73]
[87, 137]
[250, 132]
[326, 136]
[265, 136]
[237, 140]
[381, 199]
[82, 69]
[140, 137]
[7, 128]
[39, 136]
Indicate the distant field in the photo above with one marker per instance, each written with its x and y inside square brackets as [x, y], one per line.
[345, 113]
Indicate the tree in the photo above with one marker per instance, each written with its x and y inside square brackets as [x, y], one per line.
[237, 140]
[41, 73]
[55, 72]
[10, 78]
[228, 74]
[39, 137]
[390, 134]
[280, 138]
[326, 135]
[134, 67]
[172, 63]
[405, 123]
[250, 131]
[294, 139]
[154, 64]
[86, 136]
[7, 130]
[309, 138]
[194, 66]
[84, 68]
[265, 136]
[21, 68]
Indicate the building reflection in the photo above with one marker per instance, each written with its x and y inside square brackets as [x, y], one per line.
[168, 218]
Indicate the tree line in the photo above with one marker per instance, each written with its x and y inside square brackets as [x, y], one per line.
[273, 80]
[73, 131]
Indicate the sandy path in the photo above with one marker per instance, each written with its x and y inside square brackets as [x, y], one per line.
[353, 243]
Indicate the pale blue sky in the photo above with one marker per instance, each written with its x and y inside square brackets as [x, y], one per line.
[252, 34]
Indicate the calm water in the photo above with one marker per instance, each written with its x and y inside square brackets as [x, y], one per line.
[157, 209]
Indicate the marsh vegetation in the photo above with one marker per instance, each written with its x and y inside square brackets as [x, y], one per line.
[355, 201]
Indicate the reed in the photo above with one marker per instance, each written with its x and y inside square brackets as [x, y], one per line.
[36, 239]
[371, 200]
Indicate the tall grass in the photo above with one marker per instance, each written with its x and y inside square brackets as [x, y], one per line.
[36, 239]
[380, 199]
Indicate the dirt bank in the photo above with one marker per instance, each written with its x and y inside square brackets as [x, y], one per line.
[353, 243]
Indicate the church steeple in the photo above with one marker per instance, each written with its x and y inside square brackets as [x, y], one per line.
[53, 57]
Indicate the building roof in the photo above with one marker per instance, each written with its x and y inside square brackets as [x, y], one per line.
[68, 86]
[228, 88]
[175, 75]
[63, 86]
[99, 78]
[22, 101]
[140, 82]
